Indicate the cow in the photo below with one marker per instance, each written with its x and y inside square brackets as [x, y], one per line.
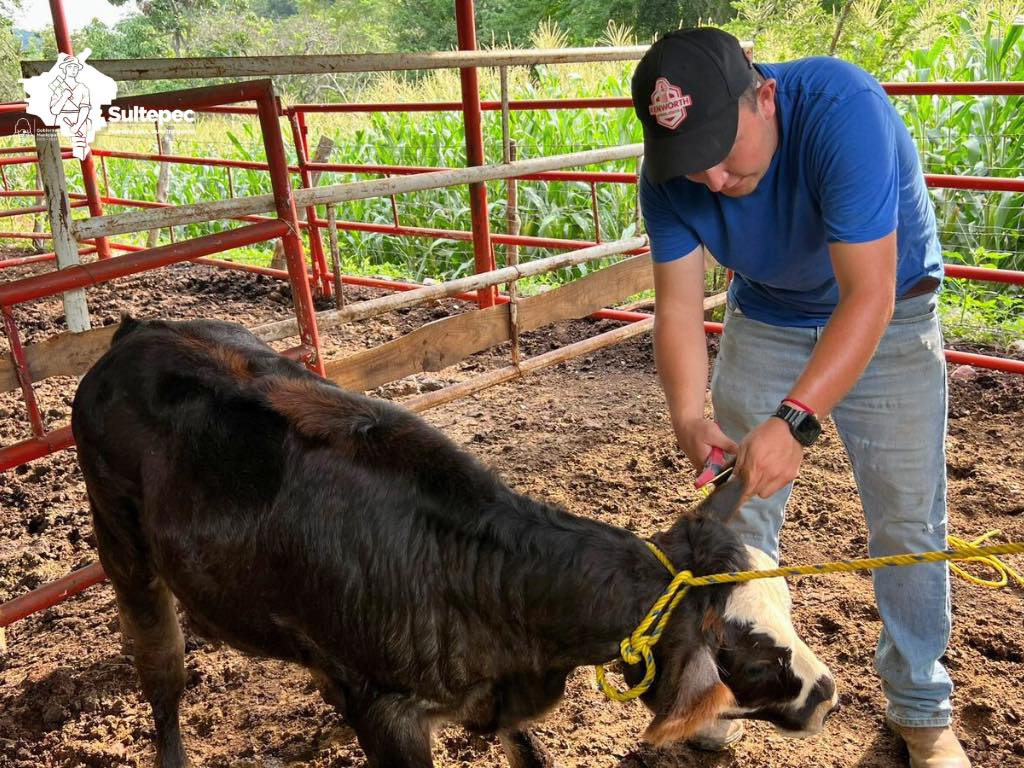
[295, 520]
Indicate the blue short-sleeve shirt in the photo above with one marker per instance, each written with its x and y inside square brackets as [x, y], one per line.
[846, 170]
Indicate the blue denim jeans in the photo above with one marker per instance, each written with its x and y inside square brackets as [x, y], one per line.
[893, 425]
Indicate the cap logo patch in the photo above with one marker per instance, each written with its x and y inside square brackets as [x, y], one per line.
[669, 103]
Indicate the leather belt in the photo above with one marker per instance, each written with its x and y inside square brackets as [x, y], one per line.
[922, 286]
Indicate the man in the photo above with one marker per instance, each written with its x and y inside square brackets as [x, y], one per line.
[802, 179]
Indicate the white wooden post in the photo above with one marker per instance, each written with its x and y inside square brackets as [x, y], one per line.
[51, 172]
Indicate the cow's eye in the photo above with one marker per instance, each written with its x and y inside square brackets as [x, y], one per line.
[760, 670]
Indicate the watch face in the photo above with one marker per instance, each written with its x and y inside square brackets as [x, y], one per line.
[804, 426]
[808, 429]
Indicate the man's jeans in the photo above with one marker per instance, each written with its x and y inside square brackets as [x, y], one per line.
[893, 424]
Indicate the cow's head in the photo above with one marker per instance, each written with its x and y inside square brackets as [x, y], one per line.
[730, 650]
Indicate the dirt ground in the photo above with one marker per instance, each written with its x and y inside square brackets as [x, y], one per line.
[592, 435]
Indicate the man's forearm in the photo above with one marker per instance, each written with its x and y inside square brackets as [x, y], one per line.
[681, 355]
[847, 344]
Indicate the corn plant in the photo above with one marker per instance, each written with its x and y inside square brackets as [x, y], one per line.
[976, 136]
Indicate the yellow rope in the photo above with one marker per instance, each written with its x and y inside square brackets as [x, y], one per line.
[1005, 572]
[638, 646]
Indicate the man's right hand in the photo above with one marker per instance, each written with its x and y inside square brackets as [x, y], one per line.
[696, 438]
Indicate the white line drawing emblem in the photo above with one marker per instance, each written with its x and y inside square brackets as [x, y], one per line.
[71, 97]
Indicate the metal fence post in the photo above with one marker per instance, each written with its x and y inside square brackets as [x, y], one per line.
[472, 118]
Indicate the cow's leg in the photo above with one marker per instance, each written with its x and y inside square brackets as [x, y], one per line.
[525, 750]
[393, 733]
[147, 616]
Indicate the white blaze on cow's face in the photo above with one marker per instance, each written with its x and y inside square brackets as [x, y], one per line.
[772, 674]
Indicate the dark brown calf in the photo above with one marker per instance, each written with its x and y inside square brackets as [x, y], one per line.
[295, 520]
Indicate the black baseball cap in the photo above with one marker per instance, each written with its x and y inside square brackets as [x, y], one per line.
[686, 92]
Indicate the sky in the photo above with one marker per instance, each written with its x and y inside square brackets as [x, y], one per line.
[35, 14]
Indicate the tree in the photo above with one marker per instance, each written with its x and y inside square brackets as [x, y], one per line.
[130, 38]
[10, 48]
[430, 24]
[873, 35]
[424, 25]
[176, 18]
[275, 9]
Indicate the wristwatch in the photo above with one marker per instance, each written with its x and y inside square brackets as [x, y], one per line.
[804, 427]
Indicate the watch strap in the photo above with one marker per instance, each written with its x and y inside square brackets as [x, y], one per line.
[802, 424]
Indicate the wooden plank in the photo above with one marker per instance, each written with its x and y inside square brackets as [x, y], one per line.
[138, 221]
[267, 66]
[462, 389]
[335, 318]
[431, 347]
[68, 354]
[580, 298]
[445, 342]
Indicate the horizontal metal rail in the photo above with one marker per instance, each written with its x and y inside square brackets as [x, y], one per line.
[516, 105]
[82, 275]
[37, 209]
[946, 181]
[983, 274]
[977, 183]
[35, 448]
[993, 88]
[215, 162]
[5, 161]
[51, 594]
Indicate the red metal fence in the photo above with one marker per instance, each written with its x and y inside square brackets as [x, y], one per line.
[314, 276]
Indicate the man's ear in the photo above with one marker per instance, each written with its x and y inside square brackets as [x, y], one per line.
[766, 98]
[700, 695]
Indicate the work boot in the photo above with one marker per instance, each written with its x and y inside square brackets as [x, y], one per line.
[932, 747]
[717, 736]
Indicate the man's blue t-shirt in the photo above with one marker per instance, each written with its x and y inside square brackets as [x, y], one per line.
[846, 170]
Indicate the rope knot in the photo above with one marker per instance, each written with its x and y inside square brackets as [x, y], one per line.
[629, 653]
[639, 646]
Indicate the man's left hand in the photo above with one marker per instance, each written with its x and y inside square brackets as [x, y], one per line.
[769, 457]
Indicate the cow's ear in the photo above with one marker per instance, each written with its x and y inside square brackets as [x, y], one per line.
[699, 697]
[724, 502]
